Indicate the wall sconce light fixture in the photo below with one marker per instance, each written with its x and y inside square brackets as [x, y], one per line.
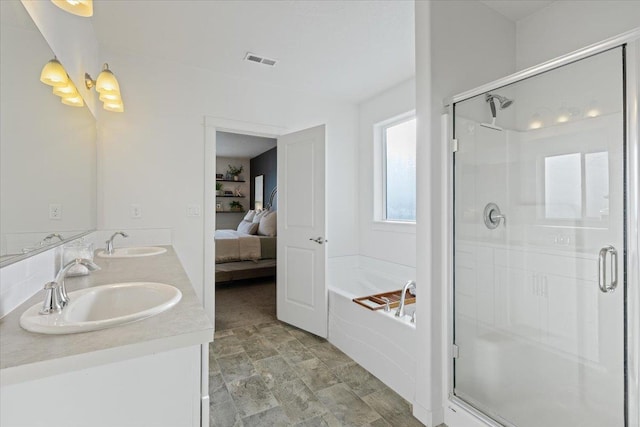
[76, 7]
[107, 85]
[54, 74]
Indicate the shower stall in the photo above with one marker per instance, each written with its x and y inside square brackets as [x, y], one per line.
[543, 296]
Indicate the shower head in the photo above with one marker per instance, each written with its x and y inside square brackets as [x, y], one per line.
[504, 101]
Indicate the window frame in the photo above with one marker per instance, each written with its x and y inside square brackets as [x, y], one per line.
[380, 219]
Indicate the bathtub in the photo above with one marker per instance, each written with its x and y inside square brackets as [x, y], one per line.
[380, 342]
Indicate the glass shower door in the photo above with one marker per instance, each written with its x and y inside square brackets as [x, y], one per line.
[538, 248]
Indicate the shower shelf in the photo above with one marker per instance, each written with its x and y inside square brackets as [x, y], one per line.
[375, 302]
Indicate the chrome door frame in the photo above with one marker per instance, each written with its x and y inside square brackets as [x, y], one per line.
[632, 233]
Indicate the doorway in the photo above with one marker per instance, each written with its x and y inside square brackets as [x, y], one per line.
[300, 221]
[246, 230]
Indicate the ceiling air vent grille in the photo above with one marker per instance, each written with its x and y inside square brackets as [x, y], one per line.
[260, 59]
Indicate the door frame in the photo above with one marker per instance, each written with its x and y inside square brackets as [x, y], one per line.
[211, 126]
[457, 413]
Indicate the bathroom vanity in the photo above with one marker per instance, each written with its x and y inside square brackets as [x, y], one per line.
[143, 373]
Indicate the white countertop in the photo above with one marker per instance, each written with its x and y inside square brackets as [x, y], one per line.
[25, 355]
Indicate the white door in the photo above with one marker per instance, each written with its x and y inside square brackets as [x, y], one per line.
[302, 292]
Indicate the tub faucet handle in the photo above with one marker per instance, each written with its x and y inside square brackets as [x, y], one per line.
[387, 307]
[413, 317]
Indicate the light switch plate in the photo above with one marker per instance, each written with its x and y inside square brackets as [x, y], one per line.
[193, 210]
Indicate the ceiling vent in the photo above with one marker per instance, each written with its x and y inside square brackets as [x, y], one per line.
[259, 59]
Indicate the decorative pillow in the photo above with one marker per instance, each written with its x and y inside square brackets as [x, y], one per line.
[268, 225]
[249, 216]
[247, 227]
[259, 215]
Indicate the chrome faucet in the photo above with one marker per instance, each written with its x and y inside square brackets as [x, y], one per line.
[56, 298]
[109, 249]
[407, 286]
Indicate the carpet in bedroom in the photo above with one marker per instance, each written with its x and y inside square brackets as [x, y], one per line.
[245, 303]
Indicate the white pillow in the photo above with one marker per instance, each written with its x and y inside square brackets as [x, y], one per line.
[249, 216]
[268, 225]
[248, 227]
[258, 216]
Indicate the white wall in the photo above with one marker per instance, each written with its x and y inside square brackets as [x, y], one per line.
[565, 26]
[153, 154]
[480, 47]
[390, 242]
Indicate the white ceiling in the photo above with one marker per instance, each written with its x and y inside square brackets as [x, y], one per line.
[349, 50]
[242, 146]
[516, 10]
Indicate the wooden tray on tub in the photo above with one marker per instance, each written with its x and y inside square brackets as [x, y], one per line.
[375, 302]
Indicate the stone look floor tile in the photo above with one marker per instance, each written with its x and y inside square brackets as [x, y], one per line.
[275, 370]
[246, 332]
[306, 338]
[358, 379]
[393, 408]
[224, 415]
[258, 348]
[315, 374]
[227, 345]
[264, 373]
[251, 396]
[347, 407]
[275, 417]
[324, 420]
[294, 352]
[276, 335]
[236, 366]
[330, 355]
[298, 401]
[218, 392]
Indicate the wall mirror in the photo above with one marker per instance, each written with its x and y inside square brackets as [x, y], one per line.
[258, 186]
[47, 149]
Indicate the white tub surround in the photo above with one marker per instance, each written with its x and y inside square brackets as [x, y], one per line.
[146, 372]
[378, 341]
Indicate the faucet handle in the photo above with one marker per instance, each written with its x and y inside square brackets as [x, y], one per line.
[52, 301]
[387, 307]
[413, 316]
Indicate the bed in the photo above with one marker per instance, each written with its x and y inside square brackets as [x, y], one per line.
[243, 253]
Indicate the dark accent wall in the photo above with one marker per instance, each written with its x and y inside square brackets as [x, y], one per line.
[265, 164]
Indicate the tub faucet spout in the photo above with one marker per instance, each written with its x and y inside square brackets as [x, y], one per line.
[410, 285]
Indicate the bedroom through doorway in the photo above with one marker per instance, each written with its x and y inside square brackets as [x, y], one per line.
[246, 230]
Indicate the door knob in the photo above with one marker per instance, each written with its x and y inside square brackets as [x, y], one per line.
[319, 240]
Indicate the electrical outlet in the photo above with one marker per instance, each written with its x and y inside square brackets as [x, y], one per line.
[193, 210]
[55, 211]
[136, 211]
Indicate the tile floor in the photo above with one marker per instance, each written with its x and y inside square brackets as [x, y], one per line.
[263, 372]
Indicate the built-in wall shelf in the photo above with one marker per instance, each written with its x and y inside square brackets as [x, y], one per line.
[230, 180]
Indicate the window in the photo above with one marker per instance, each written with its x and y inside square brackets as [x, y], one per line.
[398, 139]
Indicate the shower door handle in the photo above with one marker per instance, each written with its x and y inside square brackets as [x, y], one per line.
[602, 269]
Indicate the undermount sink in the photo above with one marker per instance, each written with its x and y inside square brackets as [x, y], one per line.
[103, 307]
[133, 252]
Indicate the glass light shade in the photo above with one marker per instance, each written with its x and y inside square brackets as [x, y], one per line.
[110, 97]
[114, 106]
[74, 101]
[536, 122]
[54, 74]
[66, 91]
[106, 82]
[77, 7]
